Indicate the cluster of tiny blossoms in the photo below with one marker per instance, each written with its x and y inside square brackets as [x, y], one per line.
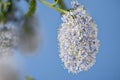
[7, 38]
[77, 38]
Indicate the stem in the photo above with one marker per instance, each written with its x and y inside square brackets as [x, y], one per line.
[53, 6]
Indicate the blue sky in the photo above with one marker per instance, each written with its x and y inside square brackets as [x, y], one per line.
[46, 64]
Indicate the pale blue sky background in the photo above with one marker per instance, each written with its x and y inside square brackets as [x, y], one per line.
[46, 65]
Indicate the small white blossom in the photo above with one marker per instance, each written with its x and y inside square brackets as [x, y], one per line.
[77, 38]
[8, 38]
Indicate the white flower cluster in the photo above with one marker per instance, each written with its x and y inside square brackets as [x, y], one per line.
[77, 38]
[8, 38]
[9, 69]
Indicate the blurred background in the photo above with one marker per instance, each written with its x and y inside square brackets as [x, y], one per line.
[45, 64]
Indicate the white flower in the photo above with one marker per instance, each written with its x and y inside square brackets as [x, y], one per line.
[77, 38]
[8, 38]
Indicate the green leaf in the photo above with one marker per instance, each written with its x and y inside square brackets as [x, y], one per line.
[62, 5]
[32, 8]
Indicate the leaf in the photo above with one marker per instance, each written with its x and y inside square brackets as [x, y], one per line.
[32, 8]
[5, 9]
[62, 5]
[29, 78]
